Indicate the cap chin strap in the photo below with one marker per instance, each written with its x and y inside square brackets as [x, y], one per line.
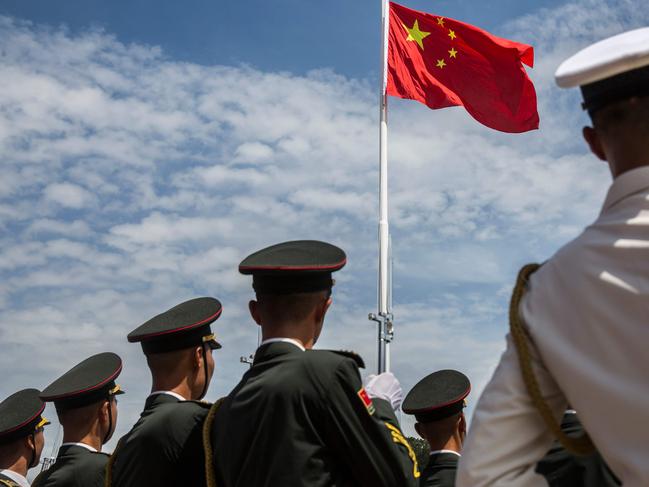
[110, 422]
[205, 367]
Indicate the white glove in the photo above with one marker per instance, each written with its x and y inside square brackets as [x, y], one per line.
[384, 386]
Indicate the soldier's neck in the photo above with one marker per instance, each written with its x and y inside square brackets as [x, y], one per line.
[301, 332]
[92, 438]
[19, 466]
[453, 444]
[181, 388]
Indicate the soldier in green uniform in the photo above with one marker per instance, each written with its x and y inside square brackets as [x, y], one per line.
[86, 405]
[21, 436]
[301, 417]
[165, 445]
[564, 469]
[437, 402]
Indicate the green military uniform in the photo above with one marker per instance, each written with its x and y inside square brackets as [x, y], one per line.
[75, 466]
[301, 418]
[436, 397]
[440, 470]
[165, 446]
[563, 469]
[92, 381]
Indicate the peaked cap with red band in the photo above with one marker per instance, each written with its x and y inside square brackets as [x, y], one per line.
[183, 326]
[437, 396]
[20, 415]
[300, 266]
[90, 381]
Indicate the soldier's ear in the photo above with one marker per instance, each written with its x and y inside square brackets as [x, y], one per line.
[253, 307]
[322, 308]
[30, 442]
[594, 142]
[462, 424]
[102, 411]
[419, 430]
[198, 357]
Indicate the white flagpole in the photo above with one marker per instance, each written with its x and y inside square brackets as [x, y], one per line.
[384, 318]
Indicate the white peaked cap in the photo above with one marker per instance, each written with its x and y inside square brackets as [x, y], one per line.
[606, 58]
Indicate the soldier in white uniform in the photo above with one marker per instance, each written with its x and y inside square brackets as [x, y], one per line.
[586, 310]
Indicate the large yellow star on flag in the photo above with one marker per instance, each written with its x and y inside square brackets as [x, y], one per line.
[414, 34]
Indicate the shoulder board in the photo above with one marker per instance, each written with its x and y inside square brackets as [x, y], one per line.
[8, 483]
[352, 355]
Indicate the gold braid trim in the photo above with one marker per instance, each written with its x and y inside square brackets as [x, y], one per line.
[210, 476]
[108, 477]
[398, 437]
[582, 445]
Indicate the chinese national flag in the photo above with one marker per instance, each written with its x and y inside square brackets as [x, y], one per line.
[441, 62]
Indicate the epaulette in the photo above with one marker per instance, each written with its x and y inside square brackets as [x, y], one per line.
[353, 355]
[8, 483]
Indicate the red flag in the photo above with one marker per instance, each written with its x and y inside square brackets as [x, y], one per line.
[442, 62]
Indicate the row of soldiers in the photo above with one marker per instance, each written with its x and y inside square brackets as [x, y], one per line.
[303, 417]
[302, 414]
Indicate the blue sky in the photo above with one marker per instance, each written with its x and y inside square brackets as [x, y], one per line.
[293, 35]
[149, 146]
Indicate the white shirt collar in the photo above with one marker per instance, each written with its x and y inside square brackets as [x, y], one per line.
[82, 445]
[625, 185]
[285, 340]
[169, 393]
[16, 477]
[435, 452]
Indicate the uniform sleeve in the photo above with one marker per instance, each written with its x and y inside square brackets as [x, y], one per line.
[365, 435]
[507, 436]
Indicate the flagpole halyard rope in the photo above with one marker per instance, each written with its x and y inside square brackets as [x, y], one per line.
[582, 445]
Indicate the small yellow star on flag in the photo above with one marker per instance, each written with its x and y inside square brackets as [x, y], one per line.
[414, 34]
[451, 34]
[440, 21]
[440, 63]
[452, 52]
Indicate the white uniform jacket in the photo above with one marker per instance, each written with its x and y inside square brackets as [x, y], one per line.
[587, 311]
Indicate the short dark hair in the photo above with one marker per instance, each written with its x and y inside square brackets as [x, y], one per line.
[632, 113]
[292, 307]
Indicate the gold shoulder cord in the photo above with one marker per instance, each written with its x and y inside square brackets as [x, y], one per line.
[397, 437]
[582, 445]
[210, 478]
[108, 480]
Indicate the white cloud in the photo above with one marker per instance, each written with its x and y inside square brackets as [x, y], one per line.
[75, 228]
[67, 195]
[252, 152]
